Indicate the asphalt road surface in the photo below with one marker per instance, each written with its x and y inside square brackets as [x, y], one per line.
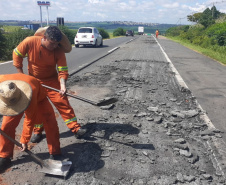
[78, 57]
[156, 133]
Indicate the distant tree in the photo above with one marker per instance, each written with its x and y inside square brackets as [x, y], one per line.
[119, 32]
[103, 33]
[194, 18]
[215, 13]
[206, 18]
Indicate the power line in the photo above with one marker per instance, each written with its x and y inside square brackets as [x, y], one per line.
[216, 2]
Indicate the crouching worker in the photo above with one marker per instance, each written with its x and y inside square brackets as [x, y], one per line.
[22, 94]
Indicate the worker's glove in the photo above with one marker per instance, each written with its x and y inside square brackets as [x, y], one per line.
[24, 147]
[63, 91]
[63, 88]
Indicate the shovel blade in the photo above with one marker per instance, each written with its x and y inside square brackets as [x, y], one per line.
[54, 167]
[107, 101]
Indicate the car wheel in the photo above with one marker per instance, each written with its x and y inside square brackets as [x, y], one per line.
[95, 45]
[76, 45]
[101, 44]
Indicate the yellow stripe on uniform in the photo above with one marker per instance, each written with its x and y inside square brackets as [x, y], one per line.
[16, 51]
[62, 68]
[38, 125]
[70, 120]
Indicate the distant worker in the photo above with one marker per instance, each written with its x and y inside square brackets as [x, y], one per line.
[47, 62]
[23, 94]
[156, 33]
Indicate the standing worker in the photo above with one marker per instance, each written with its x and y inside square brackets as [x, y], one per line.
[44, 54]
[20, 93]
[156, 33]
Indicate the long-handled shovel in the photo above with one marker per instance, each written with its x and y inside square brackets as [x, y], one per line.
[135, 145]
[104, 102]
[53, 167]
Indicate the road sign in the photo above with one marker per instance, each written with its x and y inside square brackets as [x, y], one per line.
[46, 4]
[43, 3]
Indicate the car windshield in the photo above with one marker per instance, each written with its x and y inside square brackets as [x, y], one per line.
[85, 30]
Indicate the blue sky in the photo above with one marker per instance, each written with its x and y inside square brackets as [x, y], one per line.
[147, 11]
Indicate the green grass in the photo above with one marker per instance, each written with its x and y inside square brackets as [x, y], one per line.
[11, 28]
[216, 54]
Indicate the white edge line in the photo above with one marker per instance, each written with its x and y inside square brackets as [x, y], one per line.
[183, 84]
[203, 116]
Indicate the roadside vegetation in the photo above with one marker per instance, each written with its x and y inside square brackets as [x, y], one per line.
[11, 36]
[119, 32]
[207, 35]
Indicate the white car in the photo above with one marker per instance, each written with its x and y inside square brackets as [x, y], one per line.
[88, 36]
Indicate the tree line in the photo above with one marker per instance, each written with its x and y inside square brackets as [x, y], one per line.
[207, 32]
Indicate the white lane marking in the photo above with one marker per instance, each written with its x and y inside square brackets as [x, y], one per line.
[113, 49]
[6, 62]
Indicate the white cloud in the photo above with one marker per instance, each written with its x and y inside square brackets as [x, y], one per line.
[94, 1]
[102, 16]
[132, 3]
[119, 10]
[171, 5]
[198, 7]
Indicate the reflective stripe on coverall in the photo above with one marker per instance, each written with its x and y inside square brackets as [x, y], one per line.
[38, 109]
[63, 106]
[42, 65]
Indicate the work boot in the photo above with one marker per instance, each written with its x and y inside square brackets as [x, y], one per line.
[57, 157]
[80, 133]
[4, 163]
[36, 138]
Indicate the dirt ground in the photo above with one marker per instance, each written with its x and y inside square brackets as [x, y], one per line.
[154, 134]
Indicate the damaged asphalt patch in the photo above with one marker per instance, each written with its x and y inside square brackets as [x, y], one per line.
[154, 134]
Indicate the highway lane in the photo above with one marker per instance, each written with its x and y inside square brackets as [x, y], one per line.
[77, 58]
[81, 56]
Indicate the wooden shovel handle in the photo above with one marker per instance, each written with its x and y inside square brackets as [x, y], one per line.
[73, 96]
[39, 160]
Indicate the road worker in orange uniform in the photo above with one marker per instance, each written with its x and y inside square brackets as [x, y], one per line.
[156, 33]
[44, 54]
[23, 94]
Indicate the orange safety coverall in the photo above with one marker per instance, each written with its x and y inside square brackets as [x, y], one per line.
[156, 33]
[38, 109]
[42, 65]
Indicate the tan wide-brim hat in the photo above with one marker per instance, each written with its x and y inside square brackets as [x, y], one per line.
[64, 43]
[15, 97]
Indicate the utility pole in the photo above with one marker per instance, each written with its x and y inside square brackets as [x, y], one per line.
[213, 10]
[223, 1]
